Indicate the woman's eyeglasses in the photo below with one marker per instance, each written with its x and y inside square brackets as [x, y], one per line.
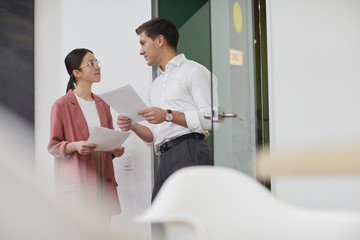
[94, 64]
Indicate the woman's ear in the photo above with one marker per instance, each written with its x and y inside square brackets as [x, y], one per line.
[76, 73]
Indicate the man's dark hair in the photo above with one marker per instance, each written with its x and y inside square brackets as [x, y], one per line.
[160, 26]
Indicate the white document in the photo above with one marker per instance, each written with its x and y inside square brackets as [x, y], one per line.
[107, 139]
[126, 102]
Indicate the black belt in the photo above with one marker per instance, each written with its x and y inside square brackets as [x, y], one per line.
[169, 144]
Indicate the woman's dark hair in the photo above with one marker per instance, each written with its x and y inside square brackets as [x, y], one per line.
[160, 26]
[72, 62]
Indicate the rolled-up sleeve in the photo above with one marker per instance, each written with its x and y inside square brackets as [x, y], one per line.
[203, 87]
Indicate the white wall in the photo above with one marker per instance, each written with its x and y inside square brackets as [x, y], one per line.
[314, 80]
[107, 28]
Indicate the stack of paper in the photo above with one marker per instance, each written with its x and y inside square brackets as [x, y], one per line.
[126, 102]
[107, 139]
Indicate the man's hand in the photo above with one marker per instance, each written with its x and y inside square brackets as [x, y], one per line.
[153, 115]
[124, 123]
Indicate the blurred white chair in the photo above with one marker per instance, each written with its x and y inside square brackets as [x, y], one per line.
[215, 203]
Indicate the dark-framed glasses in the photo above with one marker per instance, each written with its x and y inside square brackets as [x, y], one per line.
[93, 64]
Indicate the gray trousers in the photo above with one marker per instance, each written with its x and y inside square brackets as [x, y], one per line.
[189, 152]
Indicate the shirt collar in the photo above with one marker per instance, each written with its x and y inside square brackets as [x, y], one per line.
[174, 62]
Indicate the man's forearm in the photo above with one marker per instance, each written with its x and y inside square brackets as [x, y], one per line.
[142, 132]
[179, 118]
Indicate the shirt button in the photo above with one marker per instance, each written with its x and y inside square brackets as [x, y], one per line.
[109, 179]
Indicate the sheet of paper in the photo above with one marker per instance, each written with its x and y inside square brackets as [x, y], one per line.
[107, 139]
[126, 102]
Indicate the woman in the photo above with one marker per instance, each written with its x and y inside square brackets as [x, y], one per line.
[83, 177]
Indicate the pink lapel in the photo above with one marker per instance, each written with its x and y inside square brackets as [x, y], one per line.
[75, 110]
[101, 111]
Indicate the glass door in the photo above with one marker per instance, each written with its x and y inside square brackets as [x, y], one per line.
[232, 62]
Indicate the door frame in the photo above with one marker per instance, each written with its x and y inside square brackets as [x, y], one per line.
[261, 70]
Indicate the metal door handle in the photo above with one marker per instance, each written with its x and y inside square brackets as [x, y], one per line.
[227, 115]
[231, 115]
[218, 116]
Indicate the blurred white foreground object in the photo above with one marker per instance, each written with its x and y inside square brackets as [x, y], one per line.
[26, 210]
[215, 203]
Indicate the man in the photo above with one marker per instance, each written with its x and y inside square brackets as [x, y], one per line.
[180, 96]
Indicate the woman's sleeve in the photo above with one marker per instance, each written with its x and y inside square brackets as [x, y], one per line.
[57, 144]
[110, 121]
[109, 118]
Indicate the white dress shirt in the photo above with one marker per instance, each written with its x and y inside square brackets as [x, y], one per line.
[185, 86]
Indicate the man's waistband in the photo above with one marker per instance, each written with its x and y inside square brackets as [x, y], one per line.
[169, 144]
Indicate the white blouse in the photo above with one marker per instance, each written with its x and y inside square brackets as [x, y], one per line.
[90, 112]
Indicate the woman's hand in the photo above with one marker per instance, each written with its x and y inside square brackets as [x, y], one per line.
[118, 152]
[84, 148]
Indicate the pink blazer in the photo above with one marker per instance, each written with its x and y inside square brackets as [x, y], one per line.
[75, 174]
